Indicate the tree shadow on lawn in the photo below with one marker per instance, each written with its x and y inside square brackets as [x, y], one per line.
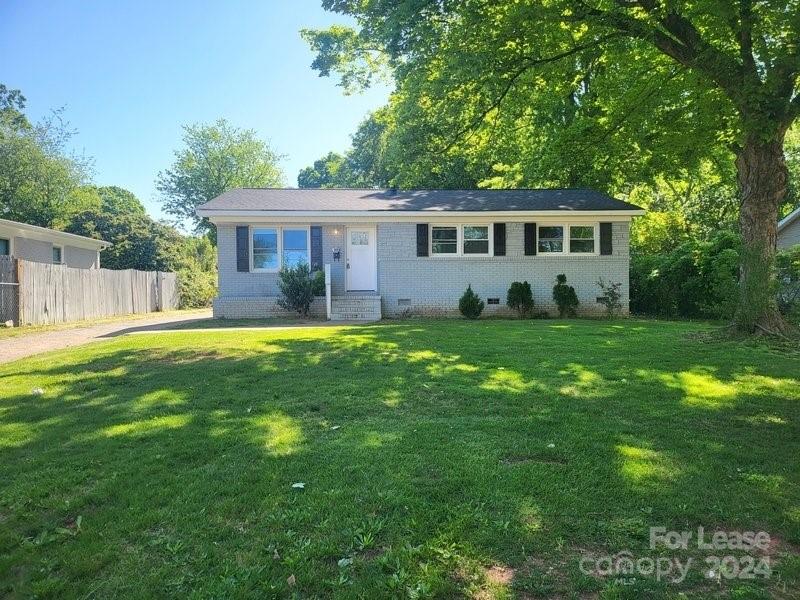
[425, 450]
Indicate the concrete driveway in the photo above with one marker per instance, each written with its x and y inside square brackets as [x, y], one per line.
[14, 348]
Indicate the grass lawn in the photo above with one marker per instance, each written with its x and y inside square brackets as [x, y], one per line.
[440, 458]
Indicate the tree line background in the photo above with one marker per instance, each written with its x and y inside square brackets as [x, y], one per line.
[43, 183]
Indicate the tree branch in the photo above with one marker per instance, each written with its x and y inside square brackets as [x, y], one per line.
[528, 64]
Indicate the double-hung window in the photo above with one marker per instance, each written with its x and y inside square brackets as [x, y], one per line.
[551, 239]
[295, 247]
[581, 239]
[444, 239]
[265, 250]
[567, 239]
[460, 240]
[274, 248]
[476, 239]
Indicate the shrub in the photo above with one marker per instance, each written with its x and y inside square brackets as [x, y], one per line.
[520, 298]
[318, 283]
[297, 289]
[470, 305]
[611, 298]
[196, 288]
[696, 279]
[565, 297]
[787, 263]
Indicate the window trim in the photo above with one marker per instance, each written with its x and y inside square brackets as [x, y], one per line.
[279, 230]
[459, 227]
[567, 238]
[60, 254]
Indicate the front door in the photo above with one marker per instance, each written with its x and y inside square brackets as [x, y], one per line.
[361, 259]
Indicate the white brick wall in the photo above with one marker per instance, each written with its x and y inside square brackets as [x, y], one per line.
[431, 285]
[434, 284]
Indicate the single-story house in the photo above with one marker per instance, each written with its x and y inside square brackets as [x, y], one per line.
[789, 230]
[413, 252]
[40, 244]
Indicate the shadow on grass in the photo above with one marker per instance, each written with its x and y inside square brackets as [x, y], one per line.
[429, 451]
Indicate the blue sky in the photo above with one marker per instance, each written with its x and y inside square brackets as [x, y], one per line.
[130, 73]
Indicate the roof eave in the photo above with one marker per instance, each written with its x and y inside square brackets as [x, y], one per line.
[378, 214]
[788, 219]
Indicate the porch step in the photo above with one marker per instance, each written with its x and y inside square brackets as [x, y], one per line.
[356, 308]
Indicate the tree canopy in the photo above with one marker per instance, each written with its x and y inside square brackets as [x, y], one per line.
[213, 159]
[610, 94]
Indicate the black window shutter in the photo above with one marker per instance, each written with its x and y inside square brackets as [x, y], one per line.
[499, 239]
[316, 248]
[422, 239]
[606, 246]
[242, 248]
[530, 239]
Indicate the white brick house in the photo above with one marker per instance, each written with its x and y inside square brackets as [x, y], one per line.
[394, 253]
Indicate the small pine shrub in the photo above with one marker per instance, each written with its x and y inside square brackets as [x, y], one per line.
[611, 298]
[318, 282]
[565, 297]
[470, 305]
[520, 298]
[297, 289]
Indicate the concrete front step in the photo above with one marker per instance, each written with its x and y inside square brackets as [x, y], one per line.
[355, 308]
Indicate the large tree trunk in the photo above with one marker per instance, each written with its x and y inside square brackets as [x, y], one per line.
[762, 176]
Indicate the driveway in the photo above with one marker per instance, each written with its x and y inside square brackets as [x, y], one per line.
[17, 347]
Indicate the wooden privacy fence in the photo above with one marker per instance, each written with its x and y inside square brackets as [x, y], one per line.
[58, 294]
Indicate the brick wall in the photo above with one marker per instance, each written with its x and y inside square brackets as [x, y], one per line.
[431, 285]
[410, 284]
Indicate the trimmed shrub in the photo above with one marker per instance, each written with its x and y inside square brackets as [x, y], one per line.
[611, 298]
[520, 298]
[297, 289]
[565, 297]
[470, 305]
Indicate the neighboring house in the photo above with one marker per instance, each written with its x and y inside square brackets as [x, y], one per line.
[40, 244]
[396, 253]
[789, 230]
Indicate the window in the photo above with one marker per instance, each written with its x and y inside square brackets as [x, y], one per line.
[581, 239]
[265, 250]
[444, 239]
[551, 238]
[57, 255]
[295, 247]
[276, 247]
[5, 247]
[359, 238]
[476, 239]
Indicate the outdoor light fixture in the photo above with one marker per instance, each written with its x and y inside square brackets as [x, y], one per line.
[337, 254]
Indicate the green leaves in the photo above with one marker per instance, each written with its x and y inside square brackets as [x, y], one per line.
[214, 159]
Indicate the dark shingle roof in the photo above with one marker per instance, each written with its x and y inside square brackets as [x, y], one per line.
[272, 199]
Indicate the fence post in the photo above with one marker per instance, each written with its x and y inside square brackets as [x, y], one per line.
[20, 295]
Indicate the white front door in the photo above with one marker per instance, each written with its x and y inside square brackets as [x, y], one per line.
[362, 272]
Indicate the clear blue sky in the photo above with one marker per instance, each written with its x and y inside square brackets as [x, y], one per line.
[131, 72]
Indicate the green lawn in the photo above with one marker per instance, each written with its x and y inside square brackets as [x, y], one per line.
[440, 458]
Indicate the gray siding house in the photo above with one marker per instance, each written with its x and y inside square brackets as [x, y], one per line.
[413, 252]
[789, 230]
[40, 244]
